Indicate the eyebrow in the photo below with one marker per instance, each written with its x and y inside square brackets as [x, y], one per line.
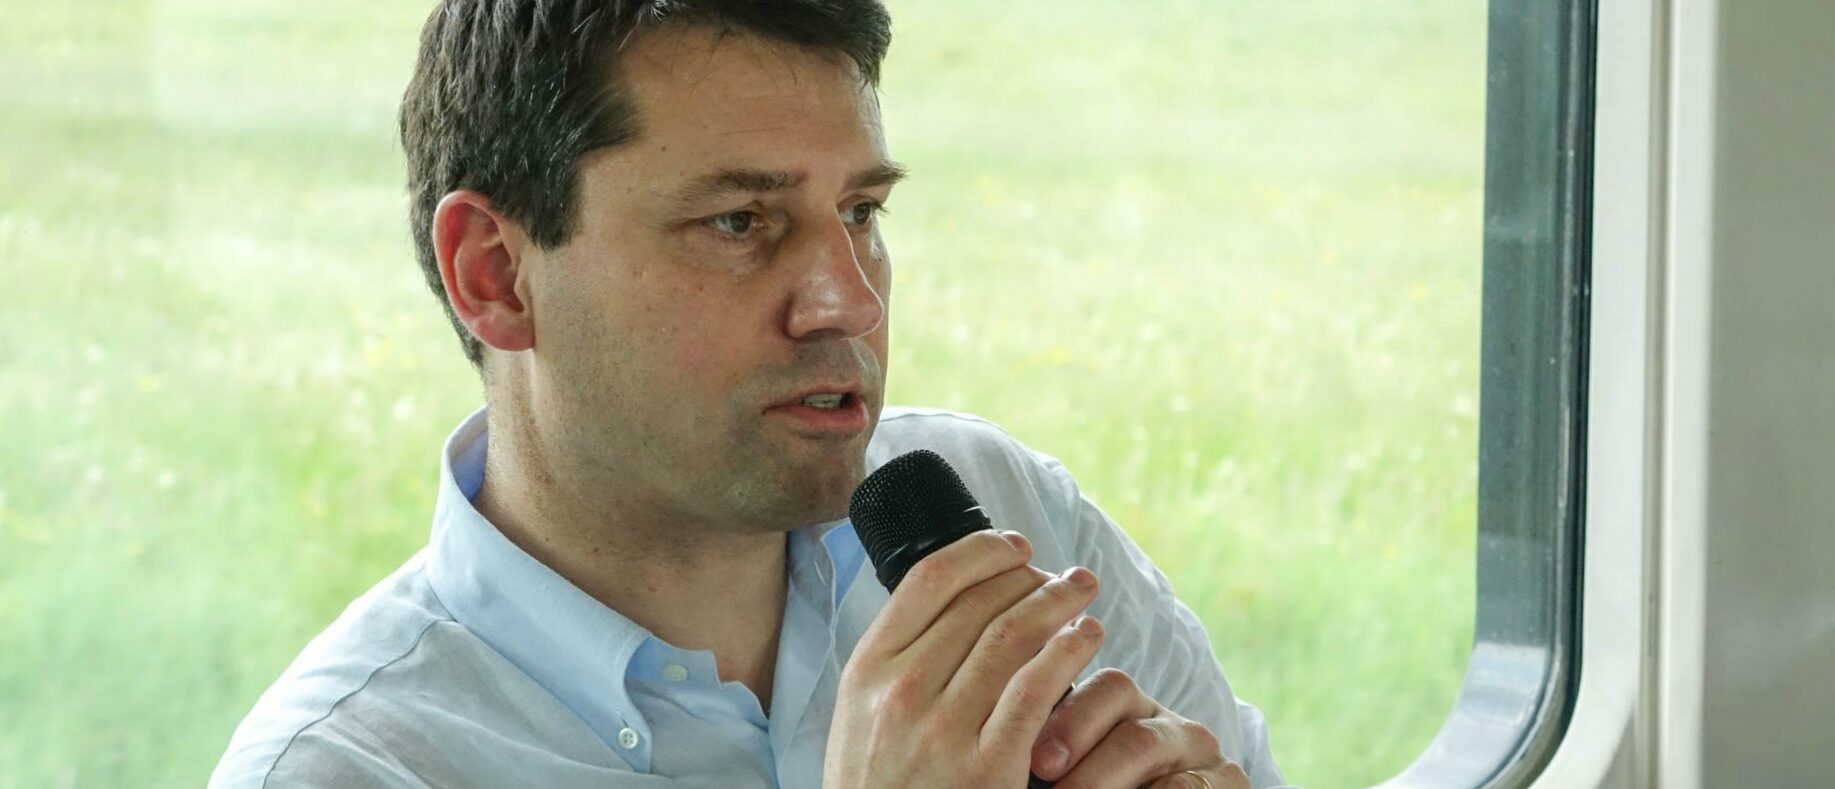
[885, 173]
[743, 179]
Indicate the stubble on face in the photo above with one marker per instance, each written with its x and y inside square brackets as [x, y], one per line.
[658, 349]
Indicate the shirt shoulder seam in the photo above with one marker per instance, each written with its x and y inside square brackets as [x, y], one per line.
[910, 412]
[914, 412]
[418, 637]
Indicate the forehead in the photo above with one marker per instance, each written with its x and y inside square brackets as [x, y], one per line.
[706, 92]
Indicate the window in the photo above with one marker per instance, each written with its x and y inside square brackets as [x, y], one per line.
[1223, 259]
[1298, 296]
[1519, 688]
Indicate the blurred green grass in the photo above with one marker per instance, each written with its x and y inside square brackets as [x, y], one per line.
[1219, 257]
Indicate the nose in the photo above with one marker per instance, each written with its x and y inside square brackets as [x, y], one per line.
[836, 292]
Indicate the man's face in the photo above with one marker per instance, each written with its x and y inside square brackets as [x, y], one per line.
[727, 263]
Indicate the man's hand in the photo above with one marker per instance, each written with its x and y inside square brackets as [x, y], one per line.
[953, 682]
[1108, 733]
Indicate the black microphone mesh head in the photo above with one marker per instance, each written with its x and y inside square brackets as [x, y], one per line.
[906, 502]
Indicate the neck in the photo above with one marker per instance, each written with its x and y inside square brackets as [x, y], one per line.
[691, 585]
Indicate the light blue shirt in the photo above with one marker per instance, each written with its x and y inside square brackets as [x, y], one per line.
[476, 665]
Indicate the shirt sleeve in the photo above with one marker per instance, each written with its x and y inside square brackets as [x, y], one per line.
[1153, 636]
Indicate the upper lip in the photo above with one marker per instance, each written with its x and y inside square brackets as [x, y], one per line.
[851, 388]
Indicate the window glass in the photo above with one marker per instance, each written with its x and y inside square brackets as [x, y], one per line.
[1223, 260]
[1220, 258]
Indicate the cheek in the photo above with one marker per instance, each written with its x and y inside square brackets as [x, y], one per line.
[696, 346]
[611, 339]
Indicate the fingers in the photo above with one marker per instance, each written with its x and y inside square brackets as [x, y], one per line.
[1137, 751]
[956, 631]
[1024, 703]
[1229, 776]
[1016, 636]
[937, 579]
[1095, 706]
[1184, 779]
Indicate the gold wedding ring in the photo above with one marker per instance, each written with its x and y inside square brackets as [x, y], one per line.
[1200, 777]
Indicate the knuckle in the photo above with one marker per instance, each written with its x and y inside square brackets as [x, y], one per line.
[1112, 680]
[989, 541]
[851, 681]
[1136, 740]
[1008, 634]
[1028, 696]
[930, 572]
[1201, 737]
[992, 597]
[979, 608]
[977, 602]
[904, 697]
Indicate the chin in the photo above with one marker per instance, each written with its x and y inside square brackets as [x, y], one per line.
[797, 496]
[820, 495]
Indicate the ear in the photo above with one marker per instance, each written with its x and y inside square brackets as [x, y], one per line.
[481, 255]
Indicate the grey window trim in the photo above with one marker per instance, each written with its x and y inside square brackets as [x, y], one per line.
[1520, 684]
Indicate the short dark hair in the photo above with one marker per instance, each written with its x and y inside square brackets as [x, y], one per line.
[508, 95]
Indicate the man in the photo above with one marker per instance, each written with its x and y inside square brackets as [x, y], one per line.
[653, 226]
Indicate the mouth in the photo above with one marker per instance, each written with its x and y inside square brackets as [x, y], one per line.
[827, 411]
[827, 401]
[825, 396]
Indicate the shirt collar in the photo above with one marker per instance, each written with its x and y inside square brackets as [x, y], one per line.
[575, 646]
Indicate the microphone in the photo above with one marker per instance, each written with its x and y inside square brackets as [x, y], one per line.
[910, 508]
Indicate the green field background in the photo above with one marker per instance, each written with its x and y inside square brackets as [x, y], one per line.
[1221, 257]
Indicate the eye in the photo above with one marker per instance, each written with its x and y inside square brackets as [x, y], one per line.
[862, 213]
[736, 223]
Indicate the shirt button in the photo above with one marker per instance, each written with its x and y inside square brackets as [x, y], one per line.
[627, 738]
[675, 672]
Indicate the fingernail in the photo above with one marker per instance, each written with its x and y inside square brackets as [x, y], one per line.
[1018, 540]
[1080, 578]
[1051, 757]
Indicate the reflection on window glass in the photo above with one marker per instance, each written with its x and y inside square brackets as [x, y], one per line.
[1220, 258]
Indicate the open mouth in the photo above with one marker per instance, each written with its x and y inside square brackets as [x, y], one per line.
[828, 402]
[829, 409]
[831, 413]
